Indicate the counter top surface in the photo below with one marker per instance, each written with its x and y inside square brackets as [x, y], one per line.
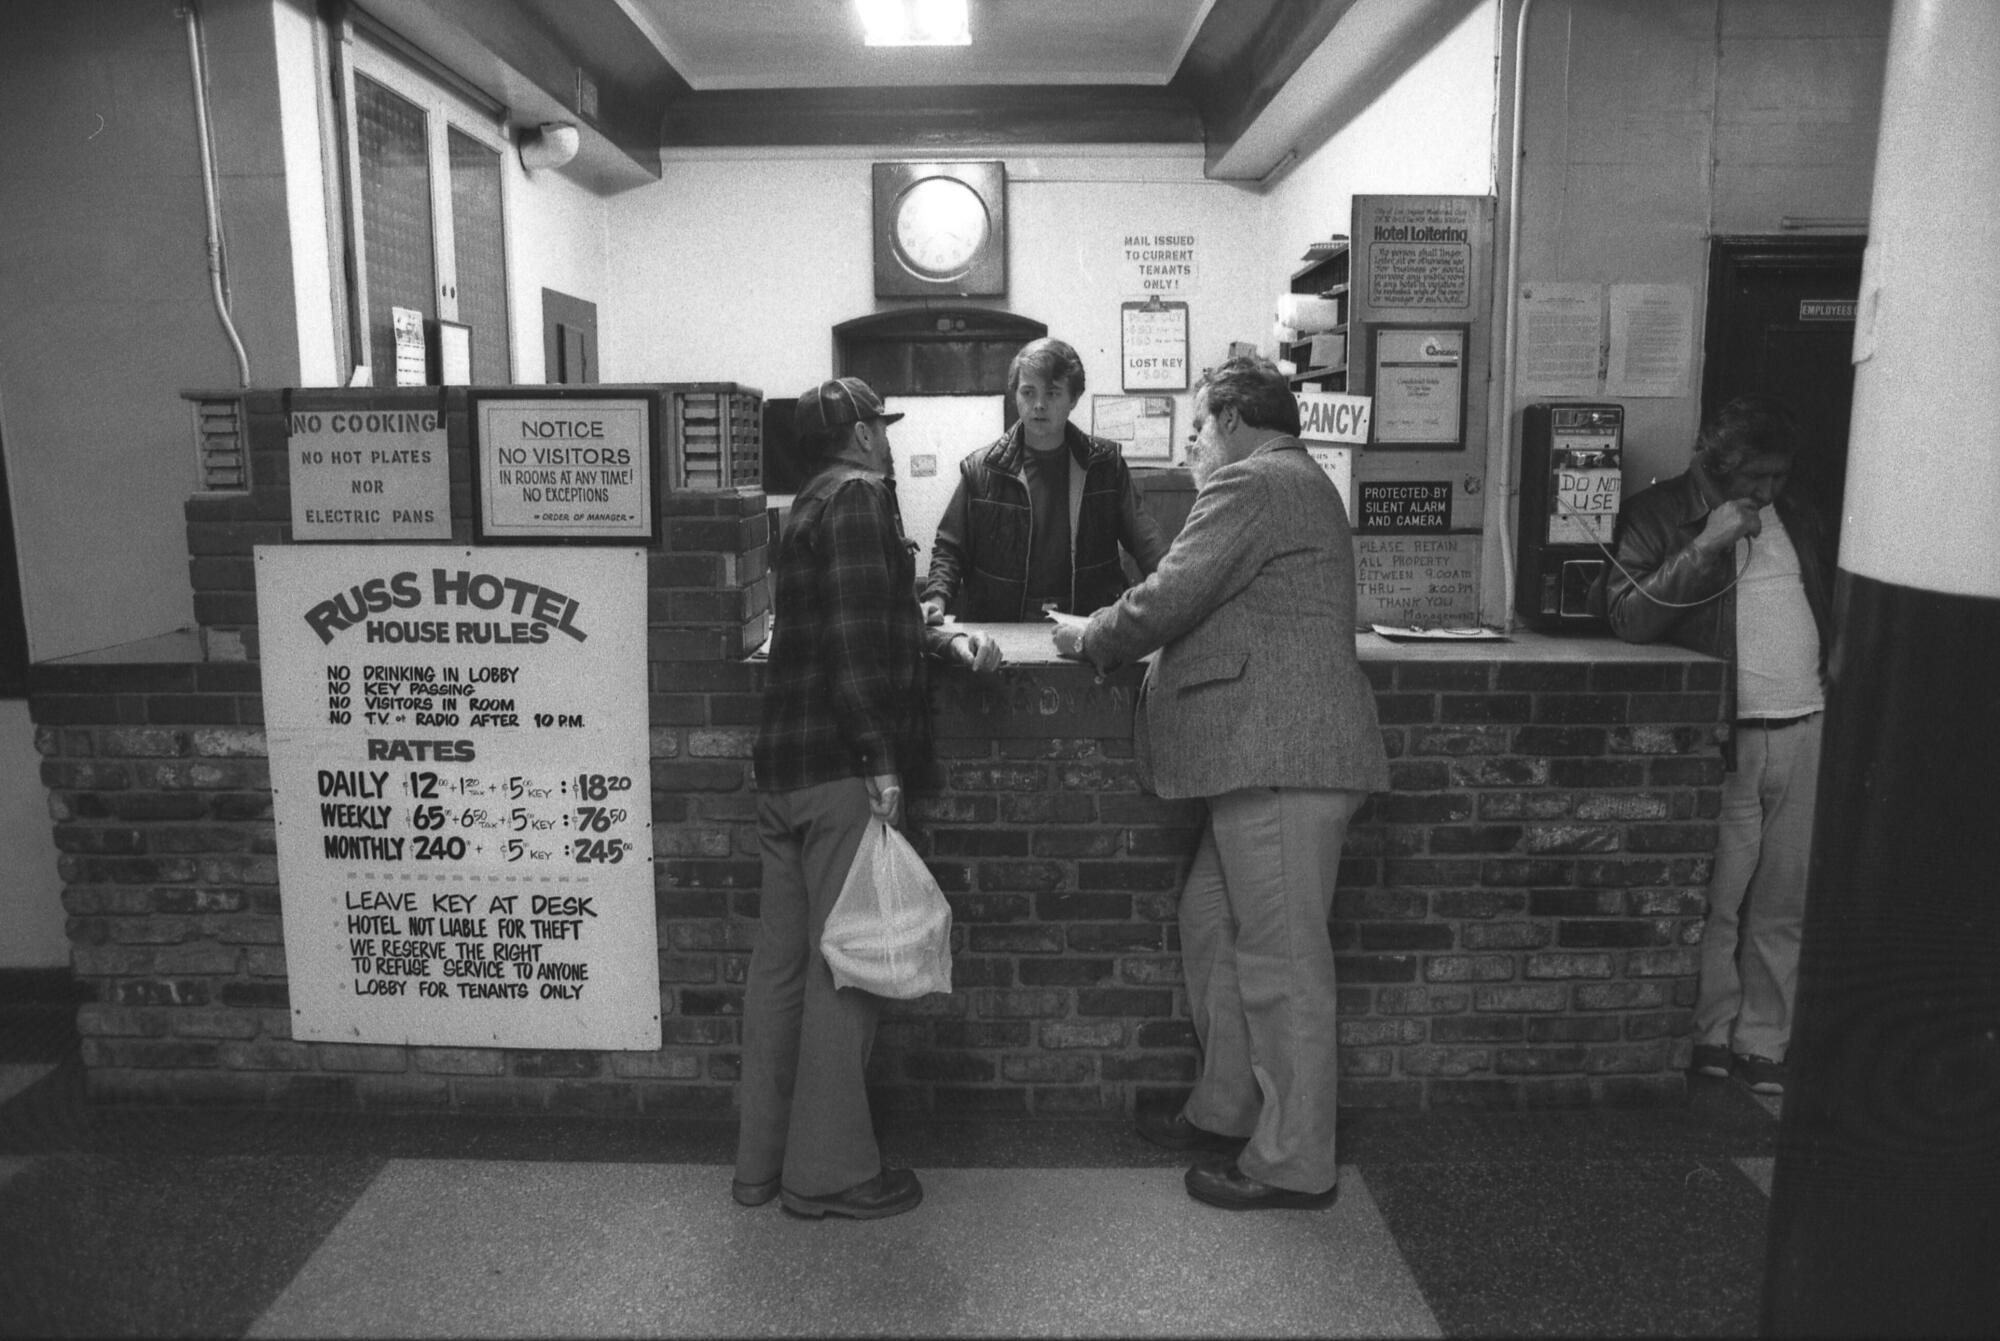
[1028, 645]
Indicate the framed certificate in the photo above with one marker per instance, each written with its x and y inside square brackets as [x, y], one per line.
[1418, 385]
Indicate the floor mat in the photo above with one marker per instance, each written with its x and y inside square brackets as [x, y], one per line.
[444, 1248]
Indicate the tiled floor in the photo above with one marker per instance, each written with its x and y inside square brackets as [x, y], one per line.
[153, 1221]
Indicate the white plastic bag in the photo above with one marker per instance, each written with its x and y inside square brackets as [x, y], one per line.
[890, 930]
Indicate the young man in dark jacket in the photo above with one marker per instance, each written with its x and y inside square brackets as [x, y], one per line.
[844, 724]
[1038, 517]
[1721, 559]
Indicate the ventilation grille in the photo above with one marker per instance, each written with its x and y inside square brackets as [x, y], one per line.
[716, 432]
[221, 456]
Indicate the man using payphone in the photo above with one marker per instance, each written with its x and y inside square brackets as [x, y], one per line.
[1721, 559]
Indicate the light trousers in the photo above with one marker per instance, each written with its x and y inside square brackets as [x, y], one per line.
[1757, 895]
[803, 1094]
[1259, 961]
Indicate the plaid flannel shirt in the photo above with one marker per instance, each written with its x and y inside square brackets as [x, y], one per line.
[844, 693]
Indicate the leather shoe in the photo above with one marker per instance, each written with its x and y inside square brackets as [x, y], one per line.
[890, 1192]
[753, 1194]
[1229, 1187]
[1170, 1130]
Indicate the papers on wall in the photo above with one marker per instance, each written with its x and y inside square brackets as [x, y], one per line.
[1652, 340]
[1143, 426]
[1562, 337]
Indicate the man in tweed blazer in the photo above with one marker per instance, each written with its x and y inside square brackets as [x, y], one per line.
[1257, 703]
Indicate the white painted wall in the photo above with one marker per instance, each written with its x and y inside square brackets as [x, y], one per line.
[106, 317]
[1650, 127]
[737, 268]
[299, 51]
[1654, 125]
[556, 239]
[938, 433]
[1431, 133]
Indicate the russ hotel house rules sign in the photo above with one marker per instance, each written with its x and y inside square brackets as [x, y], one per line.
[459, 776]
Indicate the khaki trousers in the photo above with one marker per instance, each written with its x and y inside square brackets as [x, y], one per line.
[803, 1097]
[1259, 962]
[1757, 895]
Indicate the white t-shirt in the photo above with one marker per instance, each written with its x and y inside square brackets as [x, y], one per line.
[1777, 642]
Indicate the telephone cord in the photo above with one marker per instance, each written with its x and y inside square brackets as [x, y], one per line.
[1613, 559]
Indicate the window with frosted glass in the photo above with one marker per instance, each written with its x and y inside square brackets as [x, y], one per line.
[393, 143]
[479, 255]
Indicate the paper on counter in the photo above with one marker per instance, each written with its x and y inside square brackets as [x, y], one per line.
[1404, 633]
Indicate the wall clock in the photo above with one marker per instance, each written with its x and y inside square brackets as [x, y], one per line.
[940, 230]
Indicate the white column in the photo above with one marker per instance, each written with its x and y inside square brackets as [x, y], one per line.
[1923, 473]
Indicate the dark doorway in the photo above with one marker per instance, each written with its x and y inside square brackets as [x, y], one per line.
[1781, 321]
[569, 339]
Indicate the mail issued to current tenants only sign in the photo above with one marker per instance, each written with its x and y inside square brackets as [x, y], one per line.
[459, 774]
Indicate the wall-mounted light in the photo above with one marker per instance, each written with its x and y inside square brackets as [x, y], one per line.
[915, 23]
[549, 145]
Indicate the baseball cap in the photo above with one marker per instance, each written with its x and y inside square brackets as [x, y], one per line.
[834, 405]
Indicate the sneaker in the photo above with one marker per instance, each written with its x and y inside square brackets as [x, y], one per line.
[1761, 1074]
[1711, 1059]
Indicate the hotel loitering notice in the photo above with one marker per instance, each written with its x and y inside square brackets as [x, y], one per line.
[460, 779]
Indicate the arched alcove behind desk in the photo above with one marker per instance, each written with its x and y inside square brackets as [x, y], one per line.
[933, 351]
[936, 350]
[913, 351]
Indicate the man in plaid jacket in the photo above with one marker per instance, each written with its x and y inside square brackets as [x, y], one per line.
[844, 723]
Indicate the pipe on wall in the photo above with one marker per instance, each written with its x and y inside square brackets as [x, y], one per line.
[1504, 465]
[191, 15]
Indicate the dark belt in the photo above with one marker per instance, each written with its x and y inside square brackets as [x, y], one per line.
[1774, 723]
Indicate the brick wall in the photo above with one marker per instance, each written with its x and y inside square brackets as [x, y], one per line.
[1515, 926]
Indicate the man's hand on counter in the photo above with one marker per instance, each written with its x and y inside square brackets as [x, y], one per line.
[1067, 635]
[933, 611]
[977, 651]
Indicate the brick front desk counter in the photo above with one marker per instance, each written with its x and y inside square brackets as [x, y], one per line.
[1516, 922]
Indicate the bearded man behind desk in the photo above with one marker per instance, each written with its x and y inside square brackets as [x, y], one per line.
[1256, 703]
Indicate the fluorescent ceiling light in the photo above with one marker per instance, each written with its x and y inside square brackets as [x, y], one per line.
[915, 23]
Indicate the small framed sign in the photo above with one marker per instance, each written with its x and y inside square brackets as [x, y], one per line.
[1418, 385]
[566, 466]
[379, 473]
[1153, 345]
[450, 353]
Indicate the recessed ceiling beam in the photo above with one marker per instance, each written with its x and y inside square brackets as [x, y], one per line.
[931, 118]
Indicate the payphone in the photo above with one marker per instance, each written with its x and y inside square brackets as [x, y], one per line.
[1571, 463]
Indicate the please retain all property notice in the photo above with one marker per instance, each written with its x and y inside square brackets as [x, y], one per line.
[460, 779]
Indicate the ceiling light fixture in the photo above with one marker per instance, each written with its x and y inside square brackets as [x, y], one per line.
[915, 23]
